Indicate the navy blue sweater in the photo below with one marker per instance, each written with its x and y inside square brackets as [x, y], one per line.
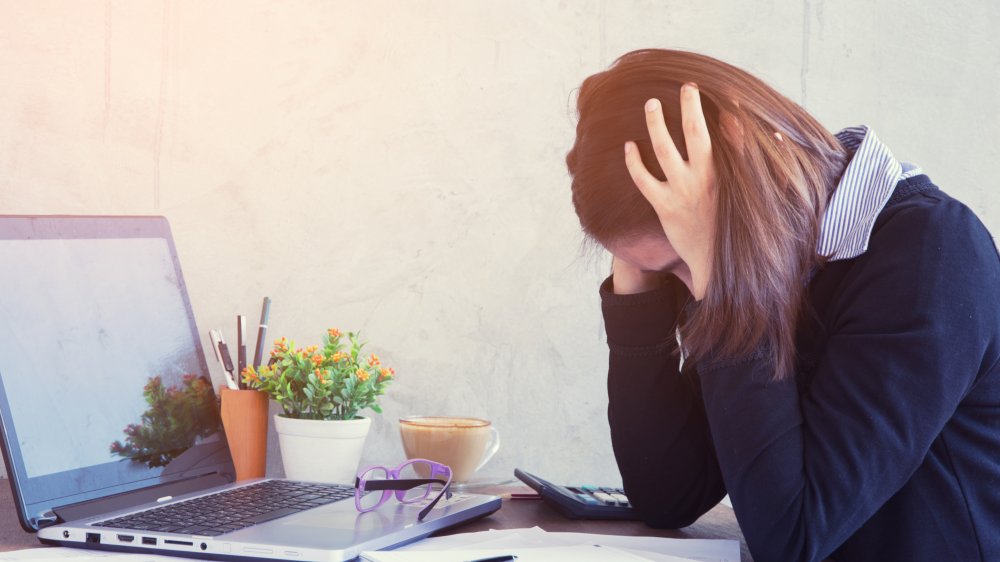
[885, 445]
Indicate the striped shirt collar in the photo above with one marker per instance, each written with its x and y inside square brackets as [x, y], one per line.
[863, 191]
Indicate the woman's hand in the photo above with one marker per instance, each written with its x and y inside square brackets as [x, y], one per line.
[686, 202]
[629, 279]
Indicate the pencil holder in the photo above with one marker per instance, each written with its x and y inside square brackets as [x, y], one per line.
[244, 418]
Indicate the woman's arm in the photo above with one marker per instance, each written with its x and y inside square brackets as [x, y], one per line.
[659, 431]
[913, 325]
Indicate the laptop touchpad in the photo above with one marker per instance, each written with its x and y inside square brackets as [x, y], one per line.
[333, 526]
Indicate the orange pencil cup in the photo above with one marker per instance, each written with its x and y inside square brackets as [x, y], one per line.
[244, 418]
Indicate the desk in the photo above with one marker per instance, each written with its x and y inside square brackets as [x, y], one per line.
[719, 523]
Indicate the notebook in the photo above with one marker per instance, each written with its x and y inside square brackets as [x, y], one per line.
[107, 410]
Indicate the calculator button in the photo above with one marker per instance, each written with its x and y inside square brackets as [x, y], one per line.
[587, 488]
[606, 498]
[620, 498]
[587, 499]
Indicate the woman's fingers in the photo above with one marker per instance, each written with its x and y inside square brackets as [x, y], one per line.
[696, 138]
[663, 146]
[687, 182]
[647, 183]
[686, 202]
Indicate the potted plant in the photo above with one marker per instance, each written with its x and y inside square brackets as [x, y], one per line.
[321, 391]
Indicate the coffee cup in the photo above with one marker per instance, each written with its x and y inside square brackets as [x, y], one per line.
[465, 444]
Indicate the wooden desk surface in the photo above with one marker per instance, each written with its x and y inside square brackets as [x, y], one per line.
[719, 523]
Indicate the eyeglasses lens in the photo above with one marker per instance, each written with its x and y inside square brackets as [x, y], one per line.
[413, 470]
[370, 499]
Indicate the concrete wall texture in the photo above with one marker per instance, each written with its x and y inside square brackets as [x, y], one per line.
[397, 167]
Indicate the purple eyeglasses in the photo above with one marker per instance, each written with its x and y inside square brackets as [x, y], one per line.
[410, 482]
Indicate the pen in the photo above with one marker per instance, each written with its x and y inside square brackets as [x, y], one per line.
[217, 344]
[503, 558]
[227, 362]
[241, 347]
[265, 313]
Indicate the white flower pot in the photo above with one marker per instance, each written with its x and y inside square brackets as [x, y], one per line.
[321, 450]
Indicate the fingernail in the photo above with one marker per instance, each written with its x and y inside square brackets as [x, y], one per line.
[628, 147]
[652, 105]
[691, 87]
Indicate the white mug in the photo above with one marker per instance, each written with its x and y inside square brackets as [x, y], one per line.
[463, 443]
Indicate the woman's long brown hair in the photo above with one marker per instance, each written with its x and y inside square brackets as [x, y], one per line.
[776, 167]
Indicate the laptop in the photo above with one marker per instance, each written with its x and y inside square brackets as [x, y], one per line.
[110, 427]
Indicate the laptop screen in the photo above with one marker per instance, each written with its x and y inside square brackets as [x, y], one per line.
[103, 384]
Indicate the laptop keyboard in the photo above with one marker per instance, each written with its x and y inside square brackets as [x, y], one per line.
[233, 509]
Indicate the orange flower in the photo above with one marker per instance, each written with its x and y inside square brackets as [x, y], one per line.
[339, 356]
[333, 333]
[362, 375]
[317, 359]
[374, 360]
[384, 373]
[248, 374]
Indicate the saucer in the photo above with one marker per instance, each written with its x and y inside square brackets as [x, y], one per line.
[486, 481]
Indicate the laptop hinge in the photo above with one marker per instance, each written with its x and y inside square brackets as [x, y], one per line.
[43, 520]
[125, 500]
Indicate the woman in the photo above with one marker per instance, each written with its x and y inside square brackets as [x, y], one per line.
[794, 318]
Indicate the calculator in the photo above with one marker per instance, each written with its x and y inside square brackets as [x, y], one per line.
[581, 502]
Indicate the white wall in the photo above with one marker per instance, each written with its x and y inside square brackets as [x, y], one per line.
[397, 167]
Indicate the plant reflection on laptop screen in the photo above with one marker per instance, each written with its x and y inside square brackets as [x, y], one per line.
[178, 417]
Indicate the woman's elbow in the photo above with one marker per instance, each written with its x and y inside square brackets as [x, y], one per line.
[674, 513]
[665, 520]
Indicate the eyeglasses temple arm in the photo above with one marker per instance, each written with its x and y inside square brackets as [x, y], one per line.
[427, 509]
[404, 484]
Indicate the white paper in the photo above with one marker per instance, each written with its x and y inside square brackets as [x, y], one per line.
[703, 550]
[528, 544]
[657, 549]
[63, 554]
[578, 553]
